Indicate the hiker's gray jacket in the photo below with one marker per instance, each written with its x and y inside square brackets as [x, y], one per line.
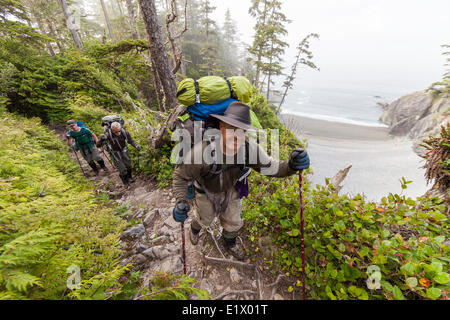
[118, 143]
[256, 158]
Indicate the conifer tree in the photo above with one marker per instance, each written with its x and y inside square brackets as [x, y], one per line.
[209, 50]
[304, 56]
[268, 46]
[259, 10]
[229, 45]
[274, 31]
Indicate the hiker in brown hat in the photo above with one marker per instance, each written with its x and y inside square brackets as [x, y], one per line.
[220, 184]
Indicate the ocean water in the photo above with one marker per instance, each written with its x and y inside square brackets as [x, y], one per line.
[347, 103]
[377, 165]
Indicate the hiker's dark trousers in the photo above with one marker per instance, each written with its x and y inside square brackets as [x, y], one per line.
[90, 155]
[122, 161]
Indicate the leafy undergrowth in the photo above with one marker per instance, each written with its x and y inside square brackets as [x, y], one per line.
[166, 286]
[53, 227]
[354, 249]
[50, 218]
[437, 158]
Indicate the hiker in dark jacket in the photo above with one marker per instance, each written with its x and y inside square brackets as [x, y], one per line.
[219, 190]
[117, 138]
[85, 141]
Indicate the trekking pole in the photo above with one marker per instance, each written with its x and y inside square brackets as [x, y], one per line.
[183, 248]
[302, 231]
[79, 163]
[139, 155]
[104, 153]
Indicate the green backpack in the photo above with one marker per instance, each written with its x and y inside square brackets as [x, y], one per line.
[213, 89]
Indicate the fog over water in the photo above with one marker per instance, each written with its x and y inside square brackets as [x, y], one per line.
[380, 43]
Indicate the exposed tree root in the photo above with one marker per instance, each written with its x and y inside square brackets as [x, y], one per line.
[229, 261]
[237, 292]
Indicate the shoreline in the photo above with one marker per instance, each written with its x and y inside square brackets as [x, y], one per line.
[378, 159]
[310, 127]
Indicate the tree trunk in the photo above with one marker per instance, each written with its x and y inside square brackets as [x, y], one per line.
[108, 23]
[44, 32]
[270, 74]
[261, 48]
[120, 7]
[132, 15]
[53, 34]
[158, 53]
[158, 86]
[70, 24]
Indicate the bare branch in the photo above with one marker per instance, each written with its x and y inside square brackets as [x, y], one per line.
[229, 261]
[177, 53]
[339, 177]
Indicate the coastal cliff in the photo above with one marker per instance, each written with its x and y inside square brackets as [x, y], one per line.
[418, 116]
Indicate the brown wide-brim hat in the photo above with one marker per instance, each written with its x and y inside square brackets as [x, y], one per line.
[237, 115]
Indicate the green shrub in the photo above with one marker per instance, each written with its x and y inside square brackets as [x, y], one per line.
[345, 236]
[50, 219]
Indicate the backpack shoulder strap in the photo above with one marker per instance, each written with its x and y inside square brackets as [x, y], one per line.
[197, 92]
[214, 168]
[125, 135]
[232, 93]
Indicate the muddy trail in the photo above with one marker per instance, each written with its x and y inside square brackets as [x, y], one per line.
[153, 242]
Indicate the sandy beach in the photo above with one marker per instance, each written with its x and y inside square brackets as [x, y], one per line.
[378, 160]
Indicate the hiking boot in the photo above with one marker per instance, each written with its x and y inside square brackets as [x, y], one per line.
[130, 177]
[235, 250]
[124, 179]
[194, 237]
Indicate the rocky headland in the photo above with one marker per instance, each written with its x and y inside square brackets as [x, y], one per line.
[417, 115]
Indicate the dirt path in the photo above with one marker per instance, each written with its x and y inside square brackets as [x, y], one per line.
[153, 242]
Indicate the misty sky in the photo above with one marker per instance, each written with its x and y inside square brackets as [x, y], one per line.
[383, 43]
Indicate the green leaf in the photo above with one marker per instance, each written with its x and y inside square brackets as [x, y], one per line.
[442, 278]
[433, 293]
[407, 269]
[435, 266]
[439, 239]
[411, 282]
[387, 286]
[363, 252]
[438, 216]
[330, 293]
[398, 295]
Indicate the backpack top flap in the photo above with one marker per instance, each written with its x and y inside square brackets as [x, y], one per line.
[107, 120]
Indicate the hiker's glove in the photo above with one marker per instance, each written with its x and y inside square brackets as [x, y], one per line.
[299, 160]
[74, 147]
[101, 140]
[180, 211]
